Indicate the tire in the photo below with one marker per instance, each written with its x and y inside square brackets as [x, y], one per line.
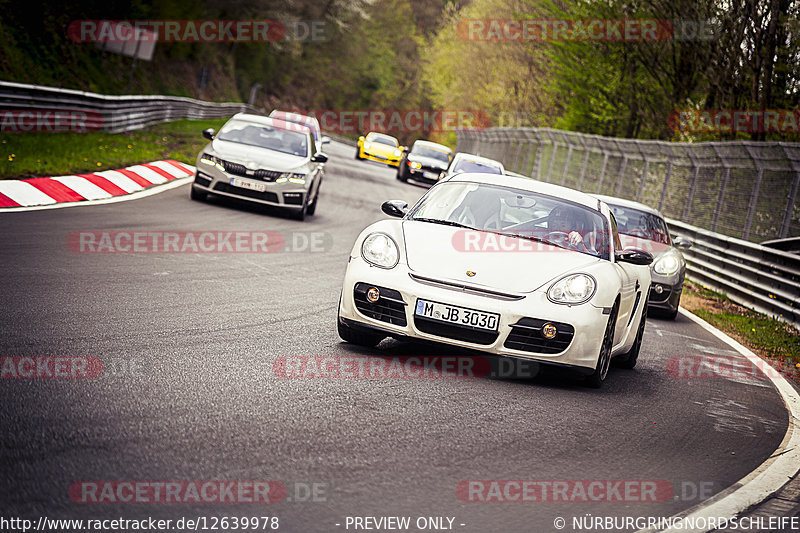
[360, 338]
[300, 214]
[400, 175]
[358, 154]
[313, 207]
[629, 359]
[197, 196]
[596, 378]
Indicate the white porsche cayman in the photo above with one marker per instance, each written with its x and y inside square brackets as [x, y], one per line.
[502, 264]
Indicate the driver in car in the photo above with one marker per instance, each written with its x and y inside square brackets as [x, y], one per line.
[567, 221]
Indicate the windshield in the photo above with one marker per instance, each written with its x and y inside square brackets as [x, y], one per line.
[467, 165]
[264, 136]
[382, 139]
[310, 125]
[517, 213]
[637, 223]
[425, 151]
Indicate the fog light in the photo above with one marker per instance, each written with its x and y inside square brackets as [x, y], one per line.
[373, 295]
[293, 198]
[659, 289]
[549, 331]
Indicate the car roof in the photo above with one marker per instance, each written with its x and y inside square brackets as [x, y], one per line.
[269, 121]
[379, 134]
[621, 202]
[433, 145]
[527, 184]
[477, 159]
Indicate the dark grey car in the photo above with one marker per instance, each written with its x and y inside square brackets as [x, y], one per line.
[644, 228]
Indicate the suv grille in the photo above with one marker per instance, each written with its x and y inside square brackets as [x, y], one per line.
[240, 170]
[234, 168]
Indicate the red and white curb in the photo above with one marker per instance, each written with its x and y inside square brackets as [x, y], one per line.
[97, 187]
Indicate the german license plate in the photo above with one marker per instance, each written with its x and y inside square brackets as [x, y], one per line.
[454, 314]
[430, 175]
[247, 184]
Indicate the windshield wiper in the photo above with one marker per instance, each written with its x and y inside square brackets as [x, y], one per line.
[445, 222]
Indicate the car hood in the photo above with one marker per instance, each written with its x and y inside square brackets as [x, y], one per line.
[429, 162]
[254, 157]
[380, 149]
[437, 251]
[654, 247]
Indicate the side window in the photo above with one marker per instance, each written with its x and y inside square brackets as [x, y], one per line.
[615, 234]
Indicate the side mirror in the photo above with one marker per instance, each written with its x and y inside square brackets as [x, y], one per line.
[209, 134]
[319, 157]
[395, 208]
[324, 140]
[682, 242]
[634, 257]
[404, 149]
[361, 139]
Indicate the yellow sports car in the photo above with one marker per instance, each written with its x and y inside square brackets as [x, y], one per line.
[381, 148]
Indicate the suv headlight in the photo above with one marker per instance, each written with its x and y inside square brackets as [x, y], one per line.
[380, 250]
[210, 160]
[291, 177]
[572, 289]
[667, 264]
[415, 165]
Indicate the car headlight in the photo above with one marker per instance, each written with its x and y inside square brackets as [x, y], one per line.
[414, 165]
[380, 250]
[572, 289]
[291, 178]
[210, 160]
[667, 264]
[367, 146]
[398, 153]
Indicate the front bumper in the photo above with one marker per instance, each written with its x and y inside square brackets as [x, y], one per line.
[587, 322]
[425, 175]
[215, 181]
[391, 160]
[665, 292]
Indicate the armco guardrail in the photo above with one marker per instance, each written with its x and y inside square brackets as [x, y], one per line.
[761, 278]
[741, 188]
[744, 189]
[107, 112]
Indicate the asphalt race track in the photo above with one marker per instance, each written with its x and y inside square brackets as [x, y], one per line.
[189, 392]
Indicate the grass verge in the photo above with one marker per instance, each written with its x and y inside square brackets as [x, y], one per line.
[775, 341]
[41, 154]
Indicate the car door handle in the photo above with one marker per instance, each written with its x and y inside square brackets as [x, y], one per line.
[637, 285]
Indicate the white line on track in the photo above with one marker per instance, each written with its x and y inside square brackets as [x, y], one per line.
[770, 476]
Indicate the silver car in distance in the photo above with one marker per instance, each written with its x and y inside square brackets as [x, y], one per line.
[263, 160]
